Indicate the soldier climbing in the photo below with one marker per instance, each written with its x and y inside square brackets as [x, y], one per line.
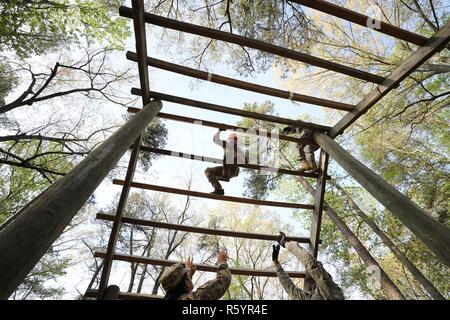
[324, 288]
[230, 169]
[306, 152]
[177, 281]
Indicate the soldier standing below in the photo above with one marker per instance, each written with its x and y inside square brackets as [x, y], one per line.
[177, 281]
[306, 152]
[323, 289]
[230, 168]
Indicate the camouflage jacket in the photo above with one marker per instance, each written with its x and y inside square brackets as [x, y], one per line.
[213, 289]
[304, 133]
[294, 292]
[326, 288]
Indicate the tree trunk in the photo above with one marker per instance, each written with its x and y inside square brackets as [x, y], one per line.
[142, 278]
[147, 254]
[157, 284]
[133, 266]
[426, 284]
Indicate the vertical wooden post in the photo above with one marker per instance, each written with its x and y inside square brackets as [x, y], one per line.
[141, 49]
[433, 234]
[30, 235]
[319, 198]
[316, 220]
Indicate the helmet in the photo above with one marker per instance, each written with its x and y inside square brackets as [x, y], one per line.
[172, 276]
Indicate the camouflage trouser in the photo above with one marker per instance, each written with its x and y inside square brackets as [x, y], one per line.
[306, 152]
[326, 287]
[216, 174]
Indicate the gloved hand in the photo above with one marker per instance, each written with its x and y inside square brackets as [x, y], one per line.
[222, 257]
[282, 239]
[288, 130]
[275, 252]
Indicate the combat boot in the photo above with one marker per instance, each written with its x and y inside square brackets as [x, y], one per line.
[304, 166]
[219, 192]
[312, 167]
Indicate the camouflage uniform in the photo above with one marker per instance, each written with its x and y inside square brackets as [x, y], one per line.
[325, 289]
[306, 152]
[213, 289]
[221, 173]
[232, 153]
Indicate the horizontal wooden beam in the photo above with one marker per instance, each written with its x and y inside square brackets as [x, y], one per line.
[363, 20]
[220, 161]
[203, 75]
[92, 293]
[254, 44]
[201, 267]
[215, 197]
[215, 232]
[435, 44]
[206, 123]
[233, 111]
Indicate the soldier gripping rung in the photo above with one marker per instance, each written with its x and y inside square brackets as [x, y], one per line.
[216, 197]
[218, 161]
[201, 267]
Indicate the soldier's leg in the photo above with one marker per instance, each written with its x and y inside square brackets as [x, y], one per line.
[309, 156]
[304, 165]
[301, 152]
[327, 287]
[234, 172]
[213, 174]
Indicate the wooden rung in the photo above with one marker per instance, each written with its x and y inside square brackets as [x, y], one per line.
[362, 20]
[253, 43]
[225, 233]
[201, 267]
[214, 196]
[203, 75]
[218, 161]
[126, 295]
[233, 111]
[211, 124]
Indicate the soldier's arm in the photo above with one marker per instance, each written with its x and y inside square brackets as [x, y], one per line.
[214, 289]
[289, 286]
[217, 139]
[328, 288]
